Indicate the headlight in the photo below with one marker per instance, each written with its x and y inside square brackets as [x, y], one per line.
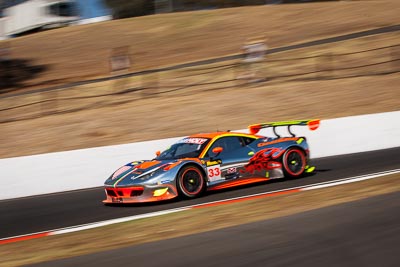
[160, 192]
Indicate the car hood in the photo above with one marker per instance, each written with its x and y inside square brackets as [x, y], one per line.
[140, 171]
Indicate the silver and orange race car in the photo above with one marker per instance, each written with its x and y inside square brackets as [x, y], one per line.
[212, 161]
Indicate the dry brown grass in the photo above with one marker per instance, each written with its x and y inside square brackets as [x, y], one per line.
[337, 85]
[83, 51]
[189, 222]
[137, 116]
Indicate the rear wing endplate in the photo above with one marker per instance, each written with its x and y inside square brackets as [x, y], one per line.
[312, 125]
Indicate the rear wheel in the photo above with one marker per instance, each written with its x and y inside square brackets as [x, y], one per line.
[294, 162]
[190, 181]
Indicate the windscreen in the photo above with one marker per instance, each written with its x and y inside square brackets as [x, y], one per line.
[186, 148]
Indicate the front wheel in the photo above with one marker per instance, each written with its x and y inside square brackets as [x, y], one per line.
[190, 181]
[294, 162]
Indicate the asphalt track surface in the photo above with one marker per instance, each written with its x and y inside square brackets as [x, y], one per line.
[53, 211]
[360, 233]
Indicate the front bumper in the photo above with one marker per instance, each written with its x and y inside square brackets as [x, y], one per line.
[139, 194]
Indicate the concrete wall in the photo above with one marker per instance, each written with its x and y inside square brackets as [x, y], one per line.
[85, 168]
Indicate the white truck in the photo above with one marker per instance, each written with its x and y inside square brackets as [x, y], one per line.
[35, 15]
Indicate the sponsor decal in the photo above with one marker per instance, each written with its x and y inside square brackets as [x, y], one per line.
[197, 141]
[212, 163]
[164, 182]
[231, 170]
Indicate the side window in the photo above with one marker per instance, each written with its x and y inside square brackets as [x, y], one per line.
[229, 144]
[247, 140]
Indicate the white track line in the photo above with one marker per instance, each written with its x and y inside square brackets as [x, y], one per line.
[159, 213]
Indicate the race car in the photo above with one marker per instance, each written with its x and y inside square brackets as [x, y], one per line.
[212, 161]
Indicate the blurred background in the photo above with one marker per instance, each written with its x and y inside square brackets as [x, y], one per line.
[89, 73]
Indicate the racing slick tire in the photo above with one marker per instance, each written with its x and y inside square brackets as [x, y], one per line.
[294, 162]
[190, 181]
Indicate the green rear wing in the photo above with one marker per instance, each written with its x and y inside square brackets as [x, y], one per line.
[312, 125]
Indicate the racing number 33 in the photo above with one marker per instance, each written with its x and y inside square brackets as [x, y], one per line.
[214, 173]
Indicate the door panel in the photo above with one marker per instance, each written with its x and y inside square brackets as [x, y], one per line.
[231, 161]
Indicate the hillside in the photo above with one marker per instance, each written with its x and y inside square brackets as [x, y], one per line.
[82, 52]
[341, 78]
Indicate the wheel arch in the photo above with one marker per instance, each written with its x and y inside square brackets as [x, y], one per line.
[194, 164]
[300, 148]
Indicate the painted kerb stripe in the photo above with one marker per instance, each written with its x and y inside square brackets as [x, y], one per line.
[83, 227]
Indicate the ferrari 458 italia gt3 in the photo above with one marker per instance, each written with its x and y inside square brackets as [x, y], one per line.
[212, 161]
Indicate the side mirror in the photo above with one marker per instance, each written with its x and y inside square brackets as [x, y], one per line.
[158, 153]
[217, 150]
